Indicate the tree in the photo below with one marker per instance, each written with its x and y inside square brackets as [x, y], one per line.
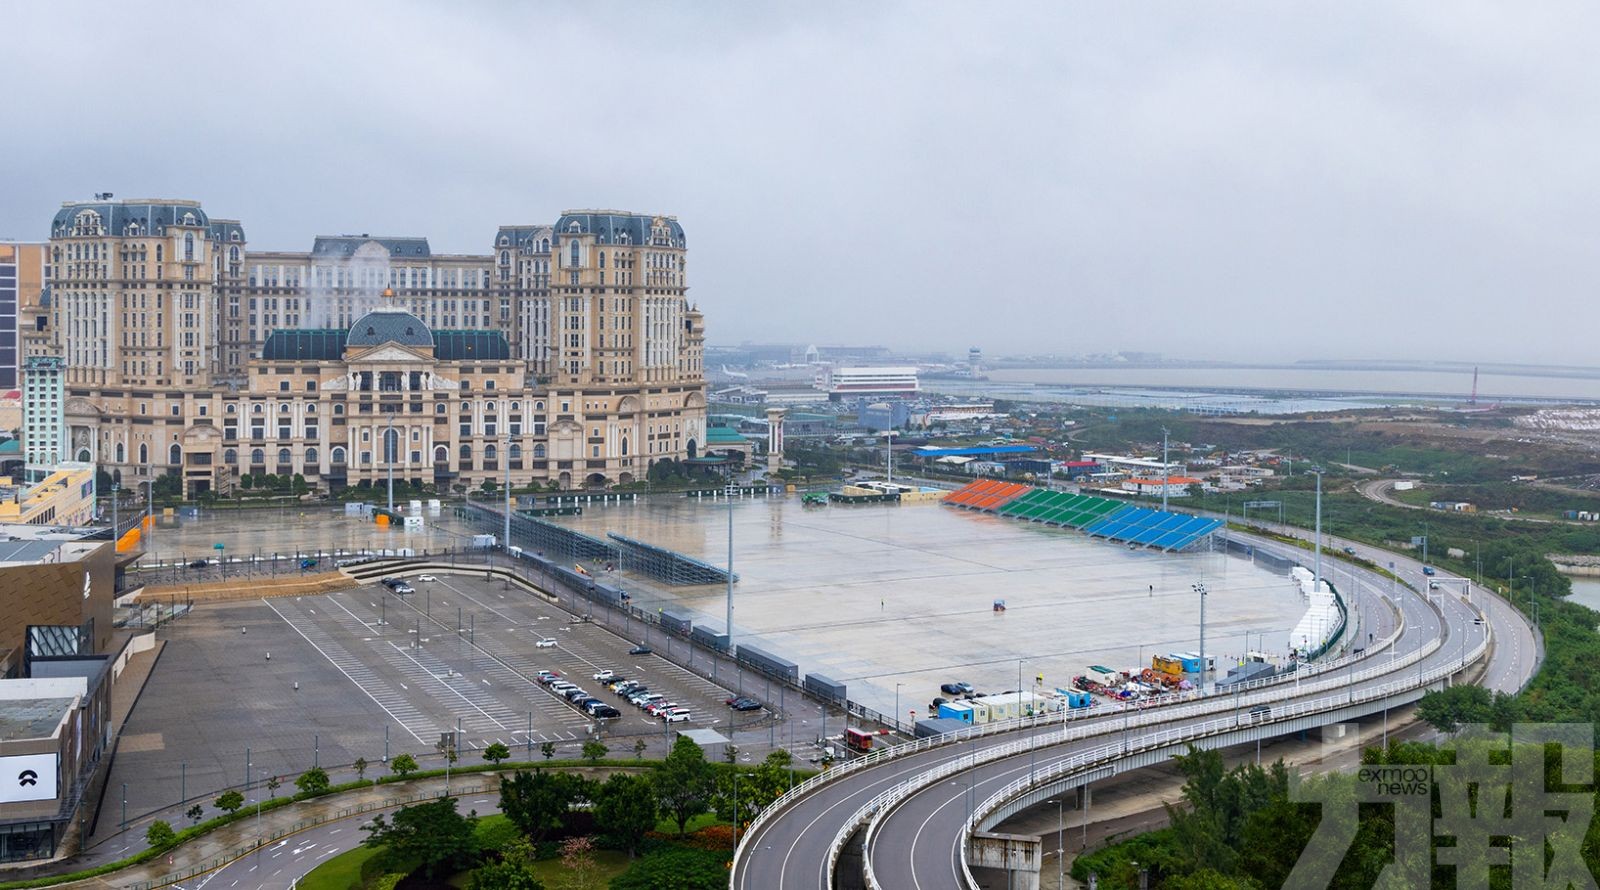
[1447, 710]
[504, 875]
[594, 752]
[361, 768]
[313, 781]
[548, 749]
[496, 753]
[625, 808]
[639, 745]
[683, 782]
[160, 835]
[195, 813]
[535, 801]
[431, 834]
[730, 753]
[272, 786]
[229, 802]
[675, 868]
[403, 765]
[577, 857]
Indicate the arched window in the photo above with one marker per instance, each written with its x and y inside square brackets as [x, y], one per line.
[188, 247]
[284, 457]
[516, 406]
[490, 452]
[175, 454]
[144, 453]
[624, 446]
[311, 409]
[538, 452]
[311, 457]
[441, 454]
[602, 259]
[538, 406]
[336, 455]
[233, 254]
[466, 454]
[489, 407]
[231, 407]
[466, 407]
[391, 446]
[338, 409]
[438, 408]
[516, 451]
[258, 457]
[121, 455]
[256, 408]
[283, 408]
[573, 252]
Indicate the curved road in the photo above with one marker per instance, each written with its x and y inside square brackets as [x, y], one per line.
[918, 842]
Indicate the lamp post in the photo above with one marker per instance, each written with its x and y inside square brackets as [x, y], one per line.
[1166, 469]
[729, 491]
[506, 543]
[1200, 588]
[1061, 846]
[897, 703]
[389, 456]
[1316, 584]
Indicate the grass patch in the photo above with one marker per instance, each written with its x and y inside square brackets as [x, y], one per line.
[342, 872]
[608, 864]
[670, 826]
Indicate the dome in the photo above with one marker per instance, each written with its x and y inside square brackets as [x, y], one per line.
[389, 326]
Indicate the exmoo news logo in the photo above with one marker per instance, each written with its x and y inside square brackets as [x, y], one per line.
[1511, 809]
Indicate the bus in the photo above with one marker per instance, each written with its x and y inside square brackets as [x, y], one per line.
[858, 740]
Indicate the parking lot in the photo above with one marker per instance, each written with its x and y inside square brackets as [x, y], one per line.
[365, 673]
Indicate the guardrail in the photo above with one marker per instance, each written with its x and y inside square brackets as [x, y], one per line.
[1156, 710]
[1169, 737]
[1132, 717]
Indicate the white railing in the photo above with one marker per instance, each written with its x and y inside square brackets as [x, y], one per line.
[1159, 709]
[1174, 735]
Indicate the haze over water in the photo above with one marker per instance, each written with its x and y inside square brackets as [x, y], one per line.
[1331, 380]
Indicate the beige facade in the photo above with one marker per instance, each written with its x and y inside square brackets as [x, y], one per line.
[213, 361]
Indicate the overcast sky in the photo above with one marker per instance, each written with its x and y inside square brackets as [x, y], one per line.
[1233, 181]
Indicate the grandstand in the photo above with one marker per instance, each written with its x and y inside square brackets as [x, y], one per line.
[986, 495]
[668, 566]
[1095, 516]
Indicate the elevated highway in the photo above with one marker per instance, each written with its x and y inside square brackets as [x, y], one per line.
[914, 811]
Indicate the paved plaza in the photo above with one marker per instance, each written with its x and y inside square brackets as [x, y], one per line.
[876, 596]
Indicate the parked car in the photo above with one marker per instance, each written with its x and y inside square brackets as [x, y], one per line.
[402, 589]
[1350, 551]
[198, 564]
[676, 715]
[428, 578]
[546, 643]
[616, 684]
[640, 649]
[1433, 585]
[645, 699]
[956, 688]
[655, 709]
[560, 687]
[389, 582]
[548, 677]
[574, 694]
[604, 676]
[606, 712]
[743, 703]
[626, 687]
[933, 706]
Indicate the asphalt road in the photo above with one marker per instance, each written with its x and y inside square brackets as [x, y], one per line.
[278, 866]
[919, 841]
[918, 844]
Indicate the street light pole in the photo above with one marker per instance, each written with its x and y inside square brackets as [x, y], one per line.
[730, 492]
[1166, 470]
[1316, 585]
[389, 456]
[506, 543]
[1200, 588]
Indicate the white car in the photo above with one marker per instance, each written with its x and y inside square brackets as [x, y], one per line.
[546, 643]
[426, 578]
[676, 715]
[605, 675]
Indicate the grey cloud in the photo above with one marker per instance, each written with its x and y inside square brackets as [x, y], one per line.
[1229, 180]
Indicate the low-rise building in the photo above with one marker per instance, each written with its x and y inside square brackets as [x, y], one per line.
[1171, 486]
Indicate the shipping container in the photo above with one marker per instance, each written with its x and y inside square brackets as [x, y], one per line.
[676, 622]
[1167, 664]
[767, 663]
